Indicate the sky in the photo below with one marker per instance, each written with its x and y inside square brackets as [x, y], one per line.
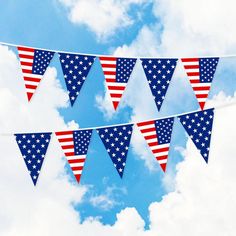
[191, 197]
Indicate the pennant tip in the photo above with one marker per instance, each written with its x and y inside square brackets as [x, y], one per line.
[202, 104]
[163, 167]
[115, 105]
[29, 95]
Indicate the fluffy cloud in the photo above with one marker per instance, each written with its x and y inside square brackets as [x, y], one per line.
[103, 17]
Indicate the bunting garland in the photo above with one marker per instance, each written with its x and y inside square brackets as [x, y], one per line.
[33, 148]
[34, 63]
[159, 73]
[75, 146]
[75, 68]
[117, 72]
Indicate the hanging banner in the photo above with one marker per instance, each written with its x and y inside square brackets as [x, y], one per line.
[117, 72]
[75, 147]
[159, 73]
[198, 125]
[33, 148]
[75, 69]
[116, 140]
[200, 72]
[34, 63]
[157, 133]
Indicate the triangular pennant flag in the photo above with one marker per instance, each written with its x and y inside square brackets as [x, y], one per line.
[117, 72]
[34, 63]
[199, 127]
[33, 148]
[116, 140]
[157, 133]
[75, 68]
[200, 72]
[75, 146]
[159, 73]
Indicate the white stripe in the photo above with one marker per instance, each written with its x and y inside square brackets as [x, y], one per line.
[26, 60]
[108, 62]
[196, 77]
[30, 90]
[158, 147]
[68, 150]
[26, 53]
[77, 164]
[77, 172]
[31, 83]
[192, 70]
[202, 92]
[26, 67]
[67, 143]
[115, 99]
[108, 69]
[149, 133]
[79, 157]
[116, 91]
[33, 75]
[191, 63]
[162, 161]
[110, 76]
[116, 84]
[196, 85]
[62, 136]
[151, 140]
[159, 154]
[201, 99]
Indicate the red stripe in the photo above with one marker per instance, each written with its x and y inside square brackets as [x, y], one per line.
[160, 150]
[193, 73]
[26, 71]
[189, 59]
[116, 88]
[150, 137]
[65, 140]
[162, 158]
[201, 88]
[108, 65]
[114, 95]
[146, 123]
[23, 63]
[194, 81]
[28, 86]
[191, 67]
[109, 73]
[67, 147]
[31, 79]
[107, 58]
[147, 130]
[201, 95]
[26, 56]
[153, 144]
[77, 168]
[69, 154]
[76, 161]
[26, 49]
[110, 80]
[63, 132]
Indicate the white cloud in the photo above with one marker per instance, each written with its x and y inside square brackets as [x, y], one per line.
[103, 17]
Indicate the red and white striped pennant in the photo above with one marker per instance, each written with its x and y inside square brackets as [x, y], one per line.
[201, 90]
[160, 151]
[76, 162]
[115, 89]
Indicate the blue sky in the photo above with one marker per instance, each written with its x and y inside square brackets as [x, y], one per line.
[45, 24]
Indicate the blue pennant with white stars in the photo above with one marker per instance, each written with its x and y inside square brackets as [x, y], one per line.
[33, 148]
[159, 73]
[75, 68]
[116, 140]
[199, 127]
